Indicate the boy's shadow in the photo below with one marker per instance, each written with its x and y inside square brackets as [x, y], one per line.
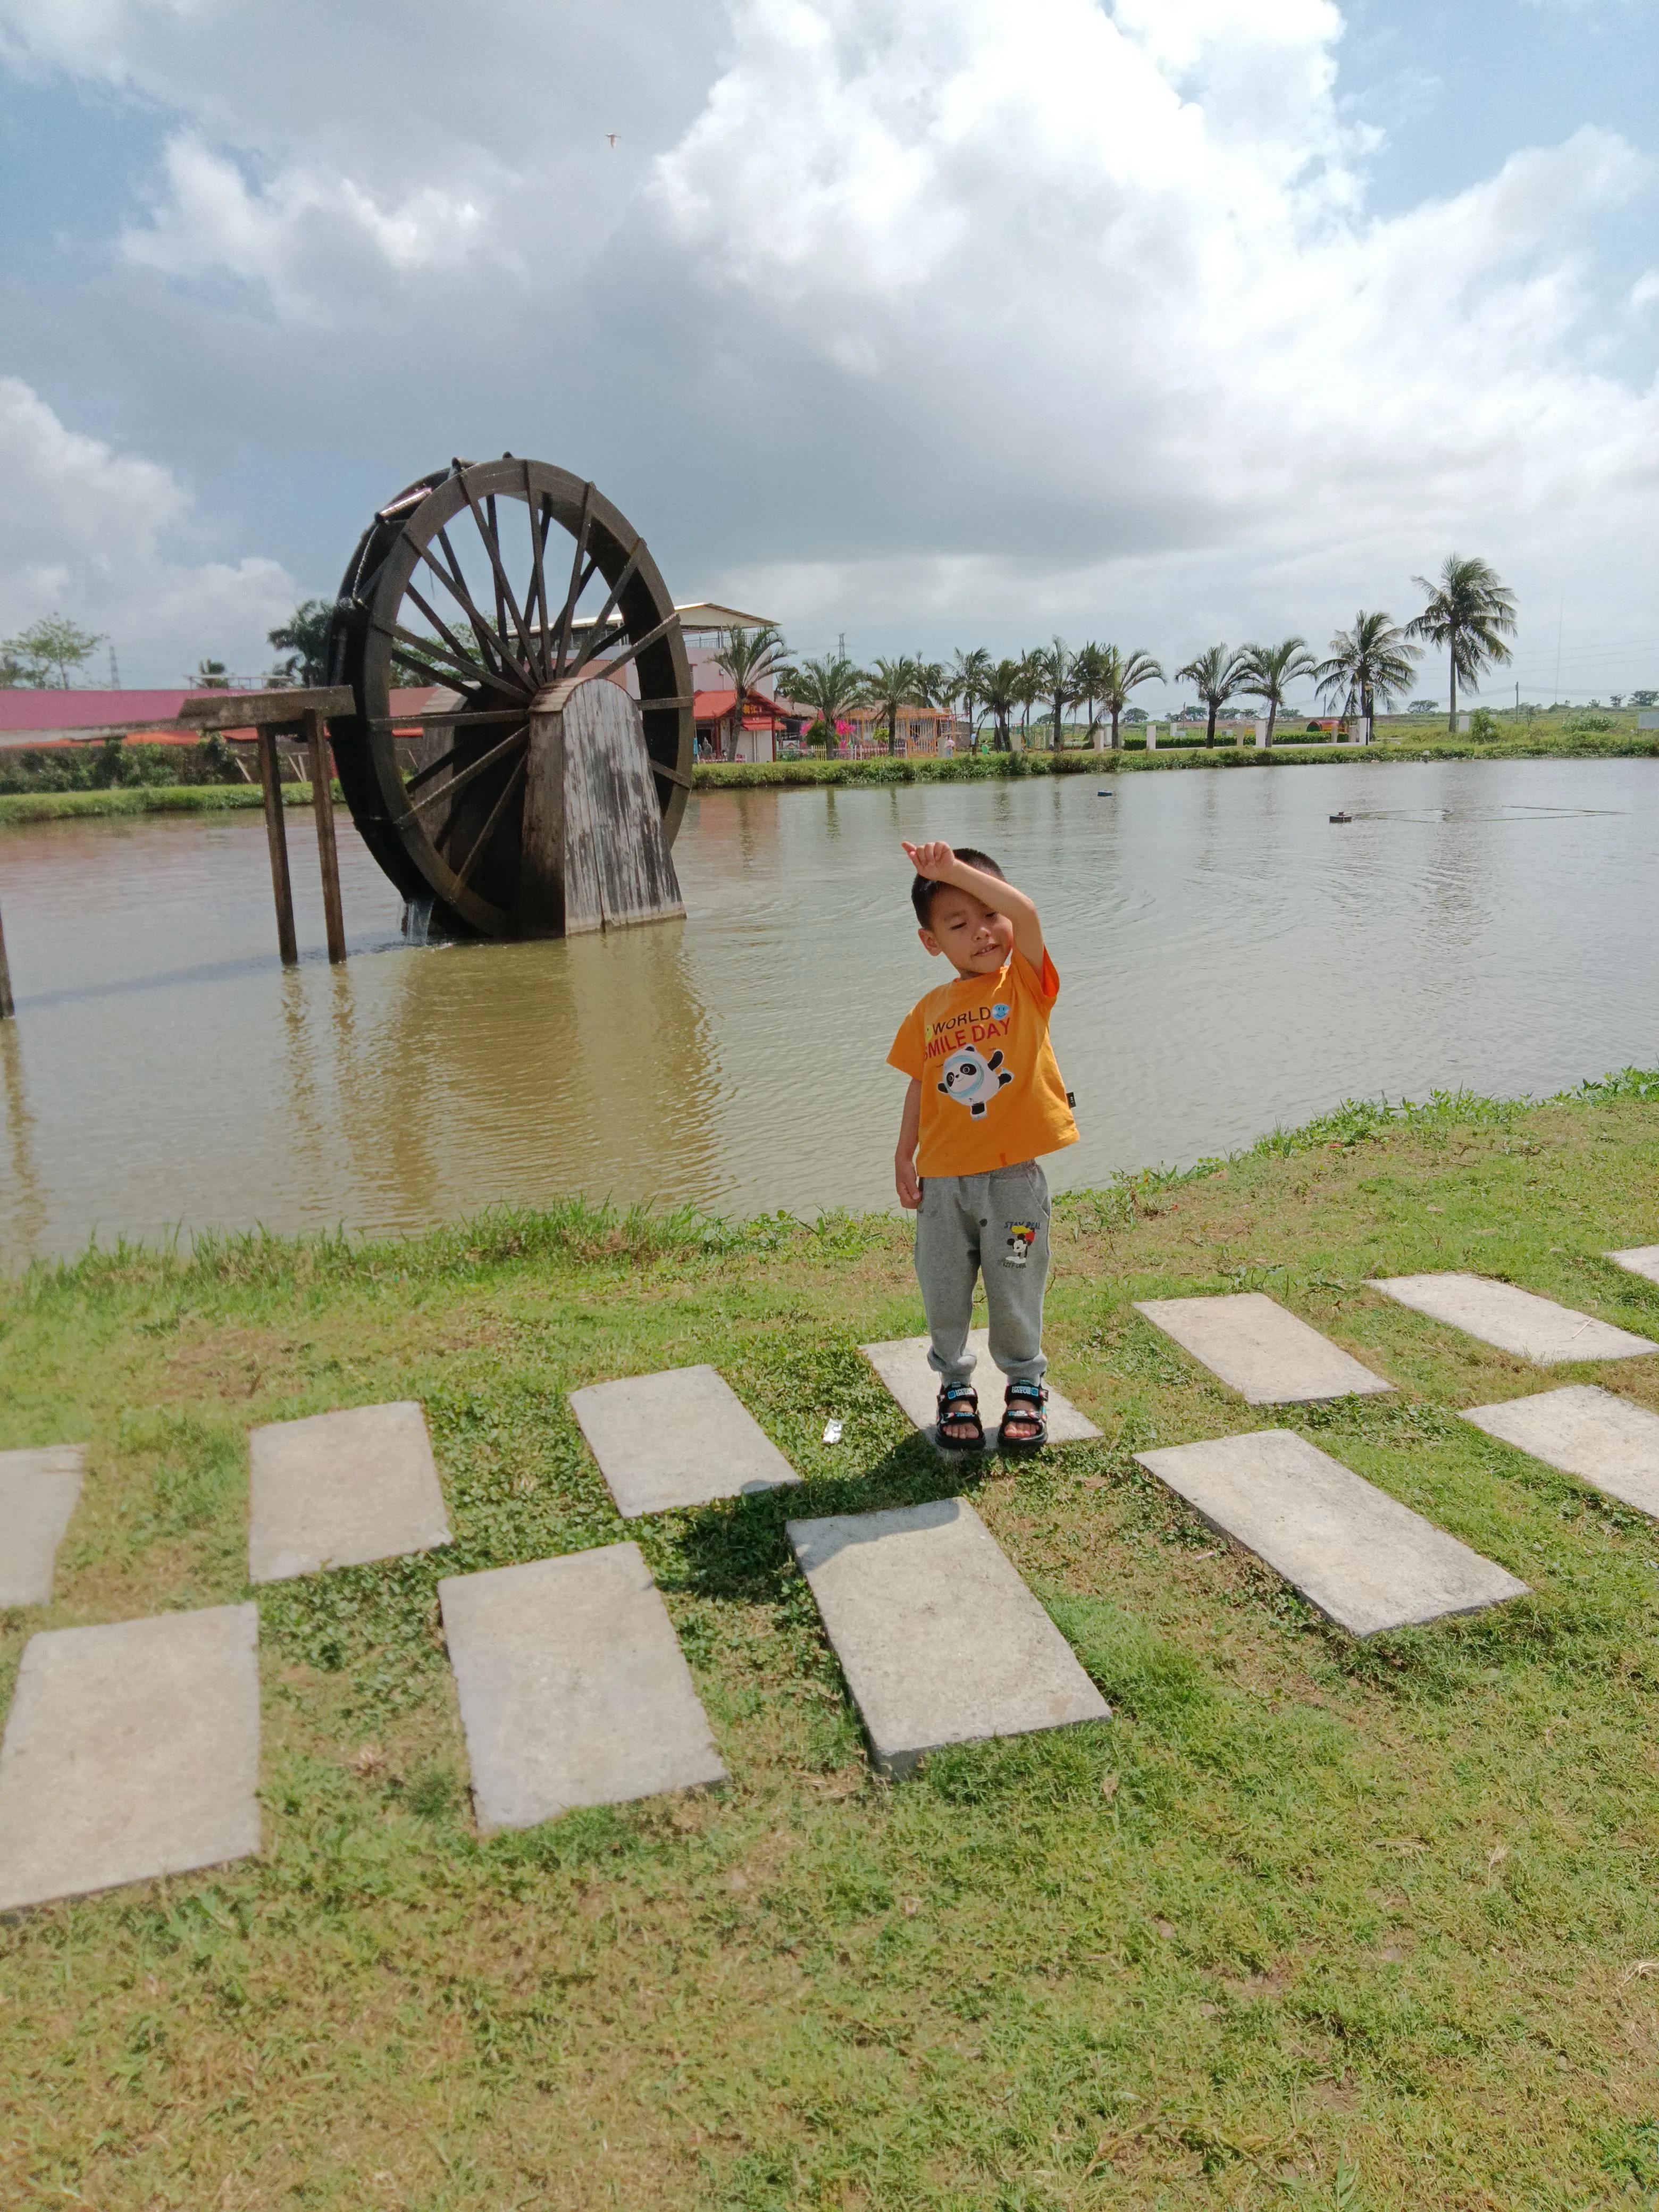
[737, 1549]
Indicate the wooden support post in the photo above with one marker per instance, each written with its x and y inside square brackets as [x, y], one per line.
[7, 1008]
[322, 802]
[277, 840]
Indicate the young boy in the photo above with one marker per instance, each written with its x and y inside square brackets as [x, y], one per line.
[985, 1098]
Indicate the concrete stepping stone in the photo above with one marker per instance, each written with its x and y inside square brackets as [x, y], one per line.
[1586, 1432]
[939, 1639]
[682, 1437]
[1640, 1259]
[38, 1494]
[1514, 1320]
[339, 1490]
[902, 1366]
[131, 1750]
[1366, 1561]
[1270, 1357]
[573, 1687]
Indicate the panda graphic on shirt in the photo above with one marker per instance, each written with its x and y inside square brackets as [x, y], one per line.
[972, 1081]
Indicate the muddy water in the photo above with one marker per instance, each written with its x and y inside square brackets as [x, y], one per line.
[1230, 958]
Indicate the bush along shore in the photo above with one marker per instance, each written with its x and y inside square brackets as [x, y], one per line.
[1310, 1921]
[1540, 741]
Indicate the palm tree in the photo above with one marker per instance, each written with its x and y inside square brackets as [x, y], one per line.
[1029, 690]
[1089, 665]
[749, 658]
[1470, 613]
[1270, 671]
[1053, 666]
[1125, 672]
[830, 687]
[971, 669]
[304, 638]
[1370, 661]
[1000, 690]
[891, 684]
[1217, 674]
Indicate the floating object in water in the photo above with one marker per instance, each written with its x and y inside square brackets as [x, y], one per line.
[1105, 794]
[1342, 817]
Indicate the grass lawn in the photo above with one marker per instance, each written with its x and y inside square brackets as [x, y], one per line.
[1308, 1924]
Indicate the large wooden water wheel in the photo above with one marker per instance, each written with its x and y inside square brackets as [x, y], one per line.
[462, 582]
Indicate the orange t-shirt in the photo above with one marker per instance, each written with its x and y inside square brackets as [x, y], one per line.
[991, 1090]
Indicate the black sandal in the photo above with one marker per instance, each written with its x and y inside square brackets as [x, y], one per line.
[959, 1402]
[1032, 1397]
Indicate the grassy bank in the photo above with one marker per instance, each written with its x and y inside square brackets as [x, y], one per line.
[1309, 1924]
[23, 807]
[743, 775]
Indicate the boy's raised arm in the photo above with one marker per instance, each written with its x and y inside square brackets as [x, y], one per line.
[938, 861]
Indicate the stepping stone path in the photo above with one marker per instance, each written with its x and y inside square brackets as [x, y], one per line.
[130, 1751]
[1267, 1355]
[339, 1490]
[938, 1639]
[1642, 1259]
[681, 1438]
[573, 1687]
[1584, 1431]
[1514, 1320]
[1366, 1561]
[902, 1366]
[38, 1493]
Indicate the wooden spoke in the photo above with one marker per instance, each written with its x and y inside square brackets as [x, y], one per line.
[604, 615]
[540, 524]
[432, 769]
[578, 582]
[504, 599]
[492, 645]
[485, 835]
[416, 648]
[457, 649]
[459, 781]
[639, 645]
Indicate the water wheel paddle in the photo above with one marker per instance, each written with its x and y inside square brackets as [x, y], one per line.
[462, 582]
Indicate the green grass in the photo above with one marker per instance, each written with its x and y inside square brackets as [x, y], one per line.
[1309, 1924]
[21, 807]
[1538, 740]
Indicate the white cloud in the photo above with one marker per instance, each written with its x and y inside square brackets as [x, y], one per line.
[304, 233]
[95, 533]
[975, 315]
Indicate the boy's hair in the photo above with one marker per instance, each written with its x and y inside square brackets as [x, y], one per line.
[924, 889]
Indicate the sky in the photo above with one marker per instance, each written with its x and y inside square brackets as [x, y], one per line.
[971, 322]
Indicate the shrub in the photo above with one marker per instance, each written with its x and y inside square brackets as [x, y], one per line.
[1483, 723]
[1583, 725]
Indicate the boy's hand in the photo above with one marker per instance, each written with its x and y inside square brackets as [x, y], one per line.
[931, 860]
[907, 1182]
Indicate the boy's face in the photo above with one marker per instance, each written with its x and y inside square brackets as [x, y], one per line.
[976, 940]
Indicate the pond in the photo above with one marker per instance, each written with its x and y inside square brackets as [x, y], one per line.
[1231, 959]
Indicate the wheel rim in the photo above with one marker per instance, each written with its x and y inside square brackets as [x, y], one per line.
[462, 581]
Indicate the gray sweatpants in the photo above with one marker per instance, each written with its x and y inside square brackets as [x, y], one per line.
[997, 1225]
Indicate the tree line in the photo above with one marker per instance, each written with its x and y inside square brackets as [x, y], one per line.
[1469, 614]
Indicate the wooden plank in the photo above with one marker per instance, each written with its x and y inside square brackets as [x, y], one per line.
[8, 1008]
[328, 857]
[254, 710]
[276, 843]
[540, 907]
